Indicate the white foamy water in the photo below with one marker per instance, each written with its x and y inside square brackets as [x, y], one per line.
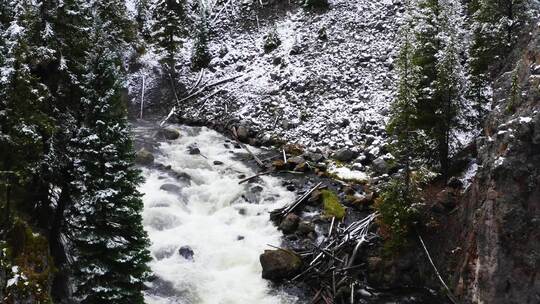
[226, 232]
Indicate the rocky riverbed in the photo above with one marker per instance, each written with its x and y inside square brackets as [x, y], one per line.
[212, 238]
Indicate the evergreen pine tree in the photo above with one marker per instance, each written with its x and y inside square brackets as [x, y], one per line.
[23, 120]
[167, 30]
[438, 44]
[110, 244]
[201, 56]
[495, 27]
[143, 17]
[24, 124]
[407, 139]
[113, 14]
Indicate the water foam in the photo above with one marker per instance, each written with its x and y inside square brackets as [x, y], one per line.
[226, 232]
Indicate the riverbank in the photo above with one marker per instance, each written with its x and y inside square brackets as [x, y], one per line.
[196, 165]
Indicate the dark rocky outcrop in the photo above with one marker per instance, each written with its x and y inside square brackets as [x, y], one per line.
[492, 241]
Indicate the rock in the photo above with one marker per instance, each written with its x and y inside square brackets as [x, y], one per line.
[291, 188]
[380, 166]
[305, 227]
[144, 157]
[218, 163]
[182, 176]
[279, 264]
[240, 237]
[164, 253]
[296, 160]
[278, 164]
[315, 198]
[289, 223]
[168, 133]
[170, 188]
[193, 149]
[344, 155]
[293, 149]
[455, 183]
[186, 252]
[314, 157]
[243, 134]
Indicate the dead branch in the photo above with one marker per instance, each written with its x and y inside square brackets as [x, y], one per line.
[235, 135]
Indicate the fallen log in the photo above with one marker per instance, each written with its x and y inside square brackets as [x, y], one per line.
[254, 176]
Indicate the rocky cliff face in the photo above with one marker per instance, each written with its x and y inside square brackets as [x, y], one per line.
[492, 241]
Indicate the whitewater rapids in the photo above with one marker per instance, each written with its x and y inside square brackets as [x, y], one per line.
[225, 224]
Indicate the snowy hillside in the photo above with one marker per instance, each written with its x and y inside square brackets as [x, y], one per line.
[328, 84]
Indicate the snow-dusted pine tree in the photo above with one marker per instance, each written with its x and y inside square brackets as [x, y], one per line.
[143, 17]
[450, 84]
[167, 30]
[408, 142]
[201, 56]
[438, 56]
[113, 14]
[23, 119]
[495, 26]
[109, 242]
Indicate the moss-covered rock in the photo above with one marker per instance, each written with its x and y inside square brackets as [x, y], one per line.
[332, 206]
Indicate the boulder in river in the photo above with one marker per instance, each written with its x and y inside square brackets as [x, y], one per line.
[289, 223]
[170, 188]
[144, 157]
[168, 133]
[279, 264]
[186, 252]
[193, 149]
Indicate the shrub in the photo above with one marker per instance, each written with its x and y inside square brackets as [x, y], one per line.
[399, 207]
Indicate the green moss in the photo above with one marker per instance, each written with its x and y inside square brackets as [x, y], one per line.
[332, 206]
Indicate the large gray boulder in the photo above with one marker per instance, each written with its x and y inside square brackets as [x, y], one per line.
[279, 264]
[344, 155]
[144, 157]
[168, 133]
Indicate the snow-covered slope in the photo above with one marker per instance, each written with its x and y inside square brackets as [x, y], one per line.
[326, 92]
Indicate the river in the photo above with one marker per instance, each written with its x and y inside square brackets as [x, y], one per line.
[225, 224]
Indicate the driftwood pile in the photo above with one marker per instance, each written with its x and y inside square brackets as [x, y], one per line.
[330, 265]
[331, 268]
